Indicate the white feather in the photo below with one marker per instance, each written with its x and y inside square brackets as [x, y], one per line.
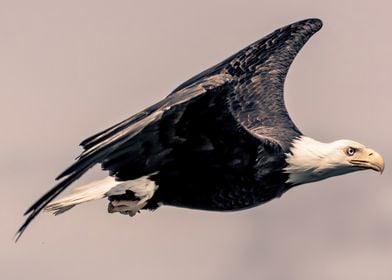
[143, 188]
[310, 160]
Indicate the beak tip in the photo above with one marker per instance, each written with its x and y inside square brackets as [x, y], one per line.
[382, 165]
[378, 161]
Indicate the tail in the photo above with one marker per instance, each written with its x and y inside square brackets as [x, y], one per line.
[92, 191]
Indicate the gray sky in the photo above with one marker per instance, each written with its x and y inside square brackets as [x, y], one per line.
[71, 68]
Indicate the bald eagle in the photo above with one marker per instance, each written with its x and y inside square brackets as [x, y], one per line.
[221, 141]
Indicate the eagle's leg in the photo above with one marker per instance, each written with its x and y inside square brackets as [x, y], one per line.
[129, 197]
[126, 207]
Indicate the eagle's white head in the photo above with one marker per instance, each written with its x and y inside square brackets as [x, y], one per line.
[310, 160]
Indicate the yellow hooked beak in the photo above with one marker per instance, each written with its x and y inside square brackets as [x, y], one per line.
[369, 159]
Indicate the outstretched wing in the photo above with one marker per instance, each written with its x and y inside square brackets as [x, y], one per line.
[112, 144]
[259, 73]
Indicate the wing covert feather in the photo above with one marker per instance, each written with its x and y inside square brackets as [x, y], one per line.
[259, 73]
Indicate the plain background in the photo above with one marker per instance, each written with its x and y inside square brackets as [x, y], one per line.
[71, 68]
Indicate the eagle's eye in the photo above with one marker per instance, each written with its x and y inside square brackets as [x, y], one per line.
[350, 151]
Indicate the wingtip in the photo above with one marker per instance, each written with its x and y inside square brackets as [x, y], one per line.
[314, 23]
[19, 233]
[306, 27]
[31, 215]
[317, 23]
[17, 236]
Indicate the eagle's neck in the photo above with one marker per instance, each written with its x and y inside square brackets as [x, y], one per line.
[310, 160]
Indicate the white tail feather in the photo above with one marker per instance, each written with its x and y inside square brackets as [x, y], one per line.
[143, 189]
[92, 191]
